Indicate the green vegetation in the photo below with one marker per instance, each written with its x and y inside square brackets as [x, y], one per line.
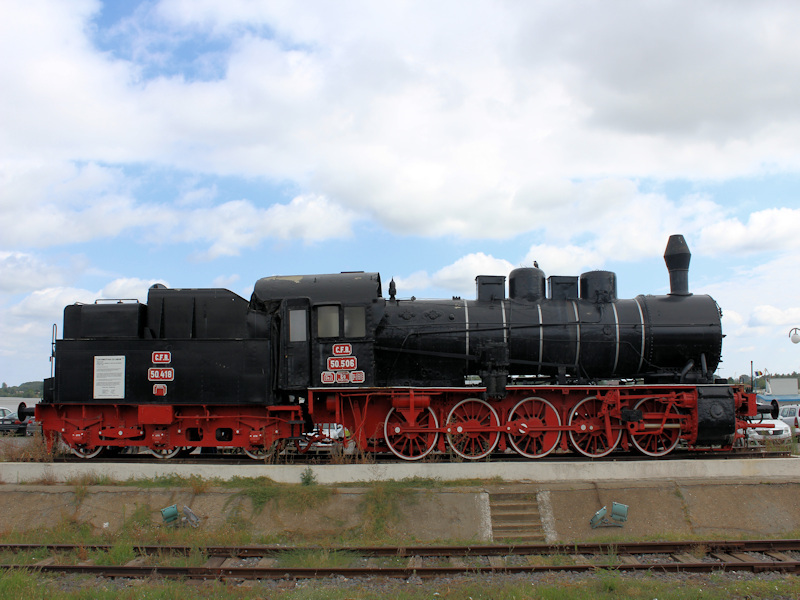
[33, 449]
[603, 585]
[307, 477]
[381, 505]
[262, 490]
[31, 389]
[320, 558]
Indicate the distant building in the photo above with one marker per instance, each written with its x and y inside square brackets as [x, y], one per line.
[782, 389]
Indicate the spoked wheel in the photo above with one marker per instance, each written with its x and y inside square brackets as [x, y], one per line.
[411, 441]
[656, 414]
[165, 453]
[472, 429]
[533, 427]
[86, 452]
[588, 429]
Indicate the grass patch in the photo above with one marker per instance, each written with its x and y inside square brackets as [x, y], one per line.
[604, 585]
[120, 553]
[89, 479]
[381, 504]
[30, 449]
[316, 558]
[196, 483]
[262, 490]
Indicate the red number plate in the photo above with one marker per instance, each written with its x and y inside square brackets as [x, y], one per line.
[343, 363]
[160, 374]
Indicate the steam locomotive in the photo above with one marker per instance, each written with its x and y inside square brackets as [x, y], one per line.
[561, 364]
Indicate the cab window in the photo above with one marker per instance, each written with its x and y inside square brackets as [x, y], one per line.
[327, 321]
[355, 322]
[297, 326]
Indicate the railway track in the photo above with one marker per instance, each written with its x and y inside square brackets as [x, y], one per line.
[270, 562]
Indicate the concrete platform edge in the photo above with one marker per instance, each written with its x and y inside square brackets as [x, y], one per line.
[536, 471]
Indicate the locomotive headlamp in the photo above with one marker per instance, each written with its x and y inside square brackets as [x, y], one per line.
[794, 335]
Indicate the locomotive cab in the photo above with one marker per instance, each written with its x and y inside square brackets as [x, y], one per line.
[325, 332]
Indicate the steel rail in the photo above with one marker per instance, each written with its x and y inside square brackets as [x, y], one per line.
[129, 571]
[706, 546]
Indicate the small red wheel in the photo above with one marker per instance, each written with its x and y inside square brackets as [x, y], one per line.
[469, 429]
[411, 441]
[658, 415]
[165, 453]
[87, 452]
[588, 429]
[533, 427]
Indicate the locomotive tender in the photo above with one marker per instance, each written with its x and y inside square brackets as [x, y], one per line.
[559, 364]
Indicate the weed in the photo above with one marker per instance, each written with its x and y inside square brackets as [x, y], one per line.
[89, 479]
[381, 505]
[316, 558]
[699, 550]
[47, 478]
[195, 558]
[195, 482]
[262, 490]
[25, 557]
[83, 482]
[236, 521]
[31, 449]
[120, 553]
[609, 581]
[307, 477]
[612, 556]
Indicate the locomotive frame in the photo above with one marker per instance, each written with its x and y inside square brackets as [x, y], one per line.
[574, 369]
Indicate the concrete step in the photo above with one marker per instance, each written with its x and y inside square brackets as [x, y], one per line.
[531, 515]
[515, 516]
[517, 529]
[512, 496]
[514, 507]
[520, 538]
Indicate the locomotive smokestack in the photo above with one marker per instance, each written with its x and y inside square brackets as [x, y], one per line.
[677, 257]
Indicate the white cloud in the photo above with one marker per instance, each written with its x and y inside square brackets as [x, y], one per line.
[239, 224]
[766, 315]
[61, 204]
[466, 127]
[563, 260]
[765, 230]
[50, 303]
[760, 305]
[457, 278]
[26, 332]
[21, 272]
[128, 288]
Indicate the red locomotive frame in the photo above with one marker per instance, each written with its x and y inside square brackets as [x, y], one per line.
[411, 423]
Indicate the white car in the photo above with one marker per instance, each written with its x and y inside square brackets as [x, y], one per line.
[325, 434]
[776, 430]
[790, 414]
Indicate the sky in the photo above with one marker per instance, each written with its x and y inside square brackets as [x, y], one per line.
[208, 143]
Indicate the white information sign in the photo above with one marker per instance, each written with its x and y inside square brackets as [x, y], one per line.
[109, 377]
